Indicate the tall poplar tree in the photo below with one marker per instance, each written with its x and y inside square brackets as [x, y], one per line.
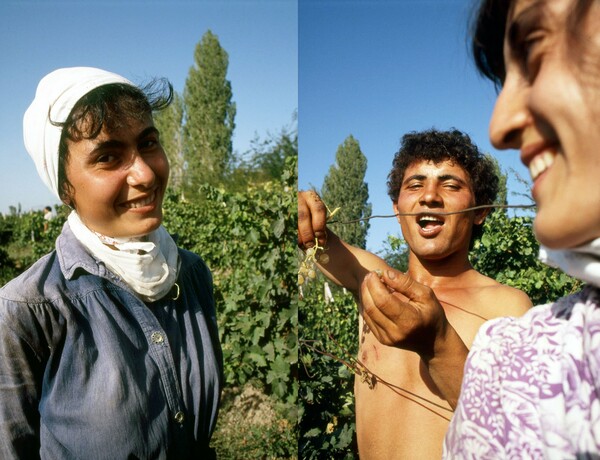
[169, 123]
[345, 187]
[209, 115]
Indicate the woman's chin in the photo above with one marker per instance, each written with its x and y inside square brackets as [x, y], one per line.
[555, 236]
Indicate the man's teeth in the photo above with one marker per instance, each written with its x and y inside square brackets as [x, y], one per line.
[139, 203]
[424, 220]
[540, 163]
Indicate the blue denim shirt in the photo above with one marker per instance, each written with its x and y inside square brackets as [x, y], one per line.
[89, 371]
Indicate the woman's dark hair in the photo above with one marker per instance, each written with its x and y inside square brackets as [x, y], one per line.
[488, 27]
[111, 106]
[438, 146]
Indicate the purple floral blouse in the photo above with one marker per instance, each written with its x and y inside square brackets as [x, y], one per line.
[532, 385]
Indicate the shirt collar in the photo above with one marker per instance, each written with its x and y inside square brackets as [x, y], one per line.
[72, 255]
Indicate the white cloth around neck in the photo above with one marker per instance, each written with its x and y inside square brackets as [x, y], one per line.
[149, 266]
[56, 95]
[582, 262]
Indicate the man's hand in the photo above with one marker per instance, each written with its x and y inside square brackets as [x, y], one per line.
[312, 220]
[405, 314]
[401, 312]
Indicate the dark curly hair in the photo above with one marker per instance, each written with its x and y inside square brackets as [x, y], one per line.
[438, 146]
[113, 106]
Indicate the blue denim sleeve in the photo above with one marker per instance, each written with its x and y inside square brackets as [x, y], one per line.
[21, 369]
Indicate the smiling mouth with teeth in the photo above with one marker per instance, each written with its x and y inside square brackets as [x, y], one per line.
[429, 221]
[139, 203]
[540, 163]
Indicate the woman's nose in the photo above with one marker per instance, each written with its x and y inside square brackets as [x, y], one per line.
[140, 173]
[510, 114]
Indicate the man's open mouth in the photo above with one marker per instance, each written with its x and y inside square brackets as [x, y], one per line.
[429, 222]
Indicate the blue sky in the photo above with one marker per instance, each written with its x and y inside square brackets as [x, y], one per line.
[140, 40]
[379, 69]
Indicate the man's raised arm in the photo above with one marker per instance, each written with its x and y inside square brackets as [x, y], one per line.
[347, 265]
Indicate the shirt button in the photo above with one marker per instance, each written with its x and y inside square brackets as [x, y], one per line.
[179, 417]
[157, 338]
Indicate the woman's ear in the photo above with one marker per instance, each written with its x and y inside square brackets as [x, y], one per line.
[66, 196]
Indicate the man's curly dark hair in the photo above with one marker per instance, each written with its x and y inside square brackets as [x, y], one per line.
[438, 146]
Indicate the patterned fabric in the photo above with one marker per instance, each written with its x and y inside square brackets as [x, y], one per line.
[532, 386]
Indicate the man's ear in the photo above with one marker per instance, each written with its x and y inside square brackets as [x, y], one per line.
[395, 206]
[480, 215]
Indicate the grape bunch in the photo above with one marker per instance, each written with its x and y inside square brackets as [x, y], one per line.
[308, 267]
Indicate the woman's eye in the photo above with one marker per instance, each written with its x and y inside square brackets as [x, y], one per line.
[530, 53]
[148, 144]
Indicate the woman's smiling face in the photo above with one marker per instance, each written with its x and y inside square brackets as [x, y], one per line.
[118, 179]
[548, 109]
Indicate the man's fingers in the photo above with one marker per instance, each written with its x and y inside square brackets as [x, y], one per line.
[312, 219]
[380, 308]
[405, 285]
[306, 235]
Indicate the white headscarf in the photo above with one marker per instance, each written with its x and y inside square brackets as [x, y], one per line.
[150, 265]
[55, 97]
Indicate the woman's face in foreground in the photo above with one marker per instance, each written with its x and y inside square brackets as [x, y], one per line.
[119, 179]
[549, 109]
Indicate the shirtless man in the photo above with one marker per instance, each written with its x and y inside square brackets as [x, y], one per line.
[403, 415]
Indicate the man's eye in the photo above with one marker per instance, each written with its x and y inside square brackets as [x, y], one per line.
[106, 158]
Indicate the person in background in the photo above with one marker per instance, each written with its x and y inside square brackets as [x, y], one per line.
[48, 216]
[108, 345]
[400, 413]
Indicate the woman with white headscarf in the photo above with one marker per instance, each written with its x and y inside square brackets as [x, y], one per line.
[108, 345]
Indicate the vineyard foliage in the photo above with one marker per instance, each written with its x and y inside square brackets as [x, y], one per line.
[248, 241]
[328, 346]
[508, 252]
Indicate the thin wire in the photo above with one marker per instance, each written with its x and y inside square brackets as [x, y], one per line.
[437, 213]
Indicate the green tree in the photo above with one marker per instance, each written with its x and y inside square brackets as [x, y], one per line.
[269, 156]
[209, 116]
[345, 187]
[395, 252]
[502, 197]
[266, 159]
[169, 123]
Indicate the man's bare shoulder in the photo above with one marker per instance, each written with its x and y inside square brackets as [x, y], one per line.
[502, 300]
